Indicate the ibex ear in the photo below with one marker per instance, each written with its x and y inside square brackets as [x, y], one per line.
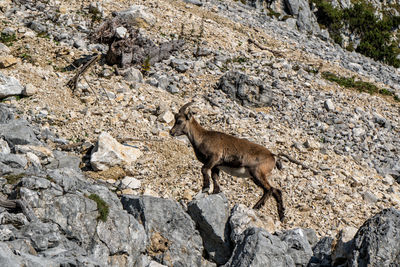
[188, 115]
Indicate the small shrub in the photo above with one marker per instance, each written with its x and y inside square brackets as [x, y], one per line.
[102, 207]
[7, 39]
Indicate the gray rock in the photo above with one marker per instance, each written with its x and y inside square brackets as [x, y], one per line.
[63, 160]
[14, 160]
[132, 75]
[5, 114]
[38, 27]
[9, 86]
[211, 213]
[180, 65]
[377, 241]
[344, 243]
[329, 106]
[247, 90]
[171, 233]
[122, 234]
[257, 247]
[306, 20]
[242, 218]
[322, 252]
[18, 132]
[7, 258]
[299, 248]
[4, 148]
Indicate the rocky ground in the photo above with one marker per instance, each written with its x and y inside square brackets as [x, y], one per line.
[351, 137]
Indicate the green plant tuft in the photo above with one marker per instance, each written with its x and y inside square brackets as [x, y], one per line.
[102, 207]
[14, 178]
[7, 39]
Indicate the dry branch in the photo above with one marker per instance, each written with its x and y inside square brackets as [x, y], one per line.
[74, 81]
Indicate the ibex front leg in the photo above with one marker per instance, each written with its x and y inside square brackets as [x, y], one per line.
[206, 171]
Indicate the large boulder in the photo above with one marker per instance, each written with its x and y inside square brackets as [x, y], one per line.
[108, 153]
[377, 241]
[171, 234]
[211, 213]
[248, 91]
[258, 248]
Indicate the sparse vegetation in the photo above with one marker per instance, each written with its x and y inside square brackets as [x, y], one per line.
[14, 178]
[102, 207]
[358, 85]
[375, 34]
[7, 39]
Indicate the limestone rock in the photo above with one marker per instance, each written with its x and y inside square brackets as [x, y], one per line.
[172, 237]
[9, 86]
[108, 153]
[137, 15]
[211, 213]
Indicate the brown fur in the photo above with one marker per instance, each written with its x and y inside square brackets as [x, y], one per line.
[219, 150]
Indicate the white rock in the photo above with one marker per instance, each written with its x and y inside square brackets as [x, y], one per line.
[121, 32]
[33, 159]
[29, 90]
[9, 86]
[131, 182]
[358, 132]
[329, 106]
[108, 153]
[166, 116]
[137, 15]
[4, 148]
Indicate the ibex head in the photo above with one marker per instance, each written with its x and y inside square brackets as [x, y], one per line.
[182, 119]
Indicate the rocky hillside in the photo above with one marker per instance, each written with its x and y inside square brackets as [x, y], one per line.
[104, 140]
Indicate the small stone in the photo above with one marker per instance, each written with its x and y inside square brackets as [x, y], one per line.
[311, 144]
[369, 197]
[131, 182]
[29, 90]
[4, 148]
[329, 106]
[358, 132]
[166, 117]
[7, 61]
[121, 32]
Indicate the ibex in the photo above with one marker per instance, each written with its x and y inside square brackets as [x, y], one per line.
[235, 156]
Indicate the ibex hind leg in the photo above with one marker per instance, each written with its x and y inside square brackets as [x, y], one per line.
[260, 178]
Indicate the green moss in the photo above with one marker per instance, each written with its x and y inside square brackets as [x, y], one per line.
[14, 178]
[7, 39]
[102, 207]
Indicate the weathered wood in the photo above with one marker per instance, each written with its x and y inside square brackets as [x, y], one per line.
[72, 83]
